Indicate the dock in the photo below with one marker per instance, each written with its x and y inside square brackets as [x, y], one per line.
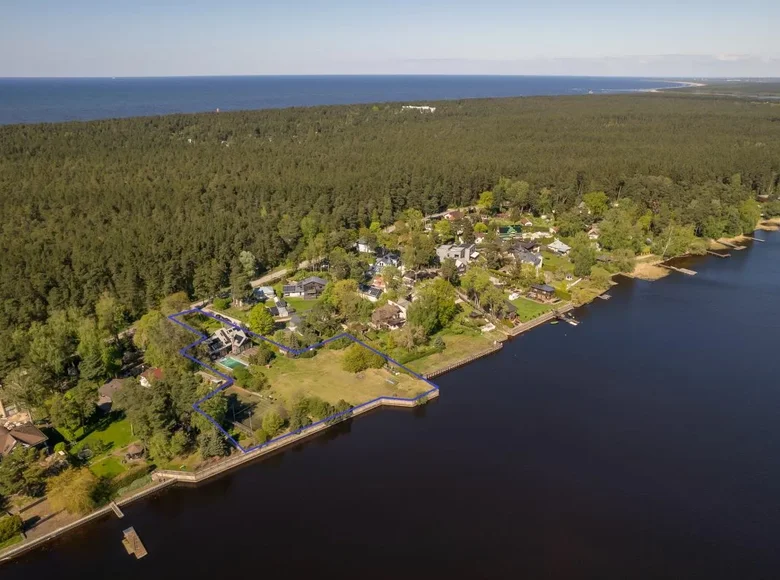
[133, 544]
[605, 296]
[718, 254]
[755, 239]
[685, 271]
[730, 245]
[116, 510]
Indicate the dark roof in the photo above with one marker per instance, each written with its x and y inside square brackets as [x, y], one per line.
[28, 434]
[543, 287]
[7, 442]
[281, 303]
[513, 229]
[510, 307]
[529, 245]
[111, 388]
[372, 291]
[135, 449]
[313, 279]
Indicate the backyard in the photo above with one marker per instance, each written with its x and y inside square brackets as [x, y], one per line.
[458, 347]
[301, 304]
[323, 376]
[528, 309]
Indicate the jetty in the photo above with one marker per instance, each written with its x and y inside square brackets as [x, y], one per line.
[685, 271]
[755, 239]
[718, 254]
[731, 245]
[605, 296]
[116, 510]
[133, 544]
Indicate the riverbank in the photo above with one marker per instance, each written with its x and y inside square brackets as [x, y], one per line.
[165, 478]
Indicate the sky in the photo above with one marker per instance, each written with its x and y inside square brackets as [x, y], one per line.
[682, 38]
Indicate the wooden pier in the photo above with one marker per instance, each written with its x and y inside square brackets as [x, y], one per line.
[755, 239]
[718, 254]
[133, 544]
[116, 510]
[685, 271]
[730, 245]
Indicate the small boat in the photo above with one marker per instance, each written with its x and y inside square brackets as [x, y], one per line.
[572, 321]
[555, 321]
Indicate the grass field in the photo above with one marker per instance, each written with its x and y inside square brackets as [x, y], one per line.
[528, 309]
[553, 262]
[322, 376]
[114, 435]
[458, 347]
[300, 304]
[109, 467]
[11, 541]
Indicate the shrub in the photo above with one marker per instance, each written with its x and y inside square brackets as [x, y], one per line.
[261, 436]
[358, 358]
[59, 447]
[263, 356]
[9, 527]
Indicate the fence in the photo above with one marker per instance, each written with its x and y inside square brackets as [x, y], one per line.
[495, 348]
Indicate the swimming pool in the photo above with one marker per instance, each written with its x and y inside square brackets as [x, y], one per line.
[232, 363]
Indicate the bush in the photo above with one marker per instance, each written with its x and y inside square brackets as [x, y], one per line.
[60, 447]
[221, 303]
[263, 356]
[261, 436]
[9, 527]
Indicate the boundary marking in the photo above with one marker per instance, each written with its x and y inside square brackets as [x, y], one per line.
[296, 352]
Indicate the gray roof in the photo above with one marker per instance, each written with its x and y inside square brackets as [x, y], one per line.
[314, 279]
[543, 287]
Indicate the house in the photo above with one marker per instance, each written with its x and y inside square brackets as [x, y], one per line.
[208, 378]
[528, 246]
[402, 305]
[225, 341]
[542, 292]
[593, 233]
[510, 232]
[10, 412]
[107, 392]
[453, 216]
[463, 252]
[371, 293]
[135, 451]
[25, 434]
[150, 376]
[525, 222]
[263, 293]
[364, 247]
[280, 309]
[308, 288]
[510, 310]
[526, 257]
[295, 324]
[559, 247]
[387, 316]
[386, 260]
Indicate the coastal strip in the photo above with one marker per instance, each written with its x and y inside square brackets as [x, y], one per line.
[23, 547]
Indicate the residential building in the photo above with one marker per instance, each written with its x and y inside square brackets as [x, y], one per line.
[453, 216]
[309, 288]
[403, 306]
[559, 247]
[463, 252]
[528, 246]
[593, 233]
[387, 317]
[510, 232]
[263, 293]
[388, 259]
[295, 324]
[542, 292]
[107, 392]
[227, 340]
[364, 247]
[25, 434]
[150, 376]
[371, 293]
[526, 257]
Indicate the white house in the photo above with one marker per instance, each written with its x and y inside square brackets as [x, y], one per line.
[364, 247]
[559, 247]
[462, 252]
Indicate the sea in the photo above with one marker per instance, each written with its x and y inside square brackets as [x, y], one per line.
[48, 100]
[642, 444]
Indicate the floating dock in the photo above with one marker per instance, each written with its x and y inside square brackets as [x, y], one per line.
[605, 296]
[133, 544]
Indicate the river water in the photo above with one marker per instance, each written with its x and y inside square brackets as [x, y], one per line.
[644, 443]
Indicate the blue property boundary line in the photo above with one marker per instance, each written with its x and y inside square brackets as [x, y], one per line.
[295, 352]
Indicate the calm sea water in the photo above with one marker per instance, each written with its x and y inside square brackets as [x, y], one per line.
[642, 444]
[53, 100]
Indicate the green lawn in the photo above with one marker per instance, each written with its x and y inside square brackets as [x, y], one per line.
[301, 304]
[322, 376]
[458, 347]
[116, 434]
[11, 541]
[528, 309]
[553, 262]
[109, 467]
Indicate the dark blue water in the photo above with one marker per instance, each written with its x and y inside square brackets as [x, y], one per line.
[642, 444]
[53, 100]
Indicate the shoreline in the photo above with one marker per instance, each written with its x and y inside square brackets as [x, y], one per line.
[162, 479]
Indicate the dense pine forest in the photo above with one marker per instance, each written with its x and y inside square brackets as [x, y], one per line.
[142, 208]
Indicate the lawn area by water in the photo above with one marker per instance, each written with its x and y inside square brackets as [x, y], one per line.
[108, 467]
[458, 347]
[111, 436]
[322, 376]
[528, 309]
